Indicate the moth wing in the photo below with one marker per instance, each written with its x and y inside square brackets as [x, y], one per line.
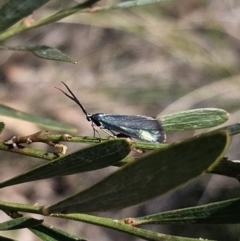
[137, 126]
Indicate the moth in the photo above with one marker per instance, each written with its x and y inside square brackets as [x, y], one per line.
[140, 127]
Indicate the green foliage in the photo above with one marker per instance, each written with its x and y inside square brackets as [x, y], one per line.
[184, 160]
[50, 233]
[12, 11]
[41, 51]
[22, 222]
[224, 212]
[2, 125]
[41, 121]
[138, 179]
[127, 187]
[88, 159]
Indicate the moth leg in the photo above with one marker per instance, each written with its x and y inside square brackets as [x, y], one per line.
[95, 131]
[108, 131]
[112, 134]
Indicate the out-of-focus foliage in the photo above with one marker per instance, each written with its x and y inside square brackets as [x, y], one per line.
[134, 57]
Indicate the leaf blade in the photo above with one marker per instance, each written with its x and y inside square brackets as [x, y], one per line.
[128, 186]
[223, 212]
[88, 159]
[41, 121]
[193, 119]
[12, 11]
[50, 233]
[41, 51]
[123, 227]
[19, 223]
[2, 125]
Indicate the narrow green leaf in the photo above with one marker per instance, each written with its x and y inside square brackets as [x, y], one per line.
[234, 129]
[193, 119]
[41, 51]
[224, 212]
[18, 223]
[50, 233]
[13, 11]
[52, 19]
[2, 125]
[130, 4]
[150, 176]
[226, 167]
[123, 227]
[88, 159]
[44, 122]
[50, 53]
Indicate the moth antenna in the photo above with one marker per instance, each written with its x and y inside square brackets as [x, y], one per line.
[74, 98]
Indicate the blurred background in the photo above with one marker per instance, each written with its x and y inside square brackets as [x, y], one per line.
[147, 60]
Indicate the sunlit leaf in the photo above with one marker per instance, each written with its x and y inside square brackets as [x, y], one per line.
[193, 119]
